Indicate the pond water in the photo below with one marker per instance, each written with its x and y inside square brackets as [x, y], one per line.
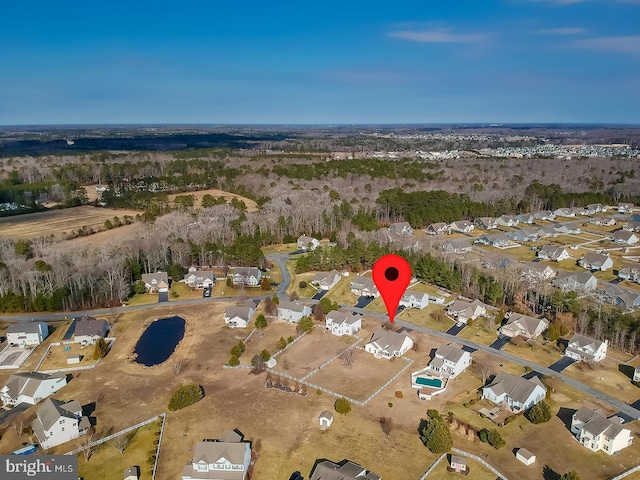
[159, 340]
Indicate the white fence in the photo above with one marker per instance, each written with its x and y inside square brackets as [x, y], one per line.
[155, 465]
[433, 465]
[111, 341]
[627, 473]
[478, 459]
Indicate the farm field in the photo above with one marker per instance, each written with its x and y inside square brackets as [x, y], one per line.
[215, 193]
[58, 222]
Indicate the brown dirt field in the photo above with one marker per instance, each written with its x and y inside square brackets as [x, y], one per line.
[55, 222]
[57, 357]
[365, 376]
[215, 193]
[266, 339]
[606, 377]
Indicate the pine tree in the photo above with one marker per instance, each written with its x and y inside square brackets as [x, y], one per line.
[100, 349]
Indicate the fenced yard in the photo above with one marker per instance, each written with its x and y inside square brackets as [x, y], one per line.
[56, 357]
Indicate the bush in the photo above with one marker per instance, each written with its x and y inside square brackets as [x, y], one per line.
[318, 392]
[539, 413]
[238, 349]
[305, 324]
[495, 439]
[436, 436]
[290, 339]
[399, 394]
[261, 321]
[100, 349]
[470, 322]
[342, 406]
[282, 343]
[433, 413]
[185, 396]
[390, 405]
[233, 361]
[483, 435]
[302, 284]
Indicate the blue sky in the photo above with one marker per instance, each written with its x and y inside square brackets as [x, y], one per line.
[337, 62]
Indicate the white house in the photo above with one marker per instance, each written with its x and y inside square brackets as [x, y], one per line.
[513, 392]
[449, 361]
[364, 286]
[292, 311]
[556, 254]
[307, 243]
[630, 272]
[523, 326]
[586, 349]
[536, 271]
[249, 276]
[485, 223]
[239, 317]
[388, 344]
[575, 281]
[154, 282]
[325, 419]
[507, 221]
[131, 473]
[200, 279]
[525, 456]
[464, 311]
[623, 237]
[462, 226]
[88, 330]
[228, 458]
[414, 299]
[440, 228]
[59, 422]
[28, 333]
[30, 388]
[343, 323]
[596, 261]
[636, 374]
[401, 228]
[597, 432]
[326, 280]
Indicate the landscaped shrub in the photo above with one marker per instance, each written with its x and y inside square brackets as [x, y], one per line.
[390, 404]
[238, 349]
[433, 413]
[435, 435]
[261, 321]
[302, 284]
[495, 439]
[399, 394]
[282, 343]
[470, 322]
[233, 361]
[290, 339]
[185, 396]
[318, 392]
[342, 406]
[100, 349]
[539, 413]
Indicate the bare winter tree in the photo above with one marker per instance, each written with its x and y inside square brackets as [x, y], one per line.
[386, 423]
[347, 357]
[482, 369]
[121, 442]
[84, 442]
[582, 322]
[178, 364]
[439, 315]
[490, 323]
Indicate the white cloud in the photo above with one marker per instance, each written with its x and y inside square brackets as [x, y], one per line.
[438, 36]
[623, 44]
[561, 31]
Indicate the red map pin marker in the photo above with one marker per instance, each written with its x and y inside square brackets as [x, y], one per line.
[392, 275]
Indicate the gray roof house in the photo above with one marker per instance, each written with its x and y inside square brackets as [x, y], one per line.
[621, 297]
[630, 272]
[27, 333]
[625, 237]
[239, 316]
[249, 276]
[462, 226]
[485, 223]
[228, 458]
[597, 432]
[326, 280]
[586, 349]
[388, 344]
[155, 281]
[364, 286]
[554, 253]
[596, 261]
[523, 326]
[89, 330]
[401, 228]
[575, 281]
[59, 422]
[307, 243]
[30, 388]
[439, 228]
[200, 278]
[292, 311]
[513, 392]
[345, 470]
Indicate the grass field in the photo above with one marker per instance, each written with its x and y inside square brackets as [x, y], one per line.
[59, 222]
[341, 293]
[57, 356]
[215, 193]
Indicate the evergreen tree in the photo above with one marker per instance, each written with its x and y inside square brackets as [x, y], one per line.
[342, 406]
[100, 349]
[539, 413]
[436, 436]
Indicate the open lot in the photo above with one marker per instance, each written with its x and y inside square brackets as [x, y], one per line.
[59, 222]
[341, 293]
[266, 339]
[57, 357]
[215, 193]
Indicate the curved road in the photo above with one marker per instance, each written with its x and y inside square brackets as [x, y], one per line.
[281, 258]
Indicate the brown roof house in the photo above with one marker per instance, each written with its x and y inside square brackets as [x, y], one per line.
[228, 458]
[345, 470]
[59, 422]
[156, 282]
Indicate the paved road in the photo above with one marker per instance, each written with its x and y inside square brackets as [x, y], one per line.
[281, 260]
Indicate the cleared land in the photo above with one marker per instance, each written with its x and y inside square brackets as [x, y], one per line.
[477, 471]
[215, 193]
[58, 222]
[57, 356]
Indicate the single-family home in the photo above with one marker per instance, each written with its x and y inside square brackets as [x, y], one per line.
[603, 221]
[155, 281]
[239, 316]
[498, 240]
[464, 311]
[401, 228]
[228, 458]
[30, 388]
[579, 211]
[525, 456]
[325, 419]
[526, 218]
[345, 470]
[439, 228]
[514, 392]
[457, 463]
[624, 237]
[544, 215]
[507, 221]
[567, 229]
[59, 422]
[593, 208]
[564, 212]
[597, 432]
[387, 343]
[414, 299]
[292, 311]
[596, 261]
[553, 253]
[342, 322]
[485, 223]
[625, 207]
[575, 281]
[249, 276]
[364, 287]
[630, 272]
[88, 330]
[522, 235]
[456, 247]
[519, 325]
[586, 349]
[462, 226]
[536, 271]
[131, 473]
[307, 243]
[23, 334]
[622, 297]
[632, 226]
[449, 361]
[200, 279]
[325, 280]
[496, 261]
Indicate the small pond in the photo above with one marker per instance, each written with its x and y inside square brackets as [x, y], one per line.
[159, 341]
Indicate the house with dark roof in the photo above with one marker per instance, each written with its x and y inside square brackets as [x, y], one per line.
[401, 228]
[485, 223]
[597, 432]
[387, 343]
[30, 388]
[586, 349]
[345, 470]
[513, 392]
[58, 422]
[228, 458]
[519, 325]
[621, 297]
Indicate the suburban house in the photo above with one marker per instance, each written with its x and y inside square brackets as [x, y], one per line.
[387, 344]
[544, 215]
[536, 271]
[249, 276]
[596, 261]
[30, 388]
[307, 243]
[498, 240]
[593, 208]
[325, 419]
[200, 278]
[525, 218]
[464, 311]
[154, 282]
[343, 323]
[292, 311]
[632, 226]
[624, 237]
[603, 221]
[439, 228]
[413, 299]
[131, 473]
[457, 247]
[345, 470]
[514, 392]
[457, 464]
[564, 212]
[28, 333]
[507, 221]
[496, 261]
[449, 361]
[228, 458]
[364, 287]
[401, 228]
[88, 330]
[462, 226]
[59, 422]
[586, 349]
[525, 456]
[575, 281]
[630, 272]
[621, 297]
[239, 317]
[636, 374]
[520, 325]
[485, 223]
[566, 229]
[597, 432]
[522, 235]
[625, 207]
[325, 280]
[551, 252]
